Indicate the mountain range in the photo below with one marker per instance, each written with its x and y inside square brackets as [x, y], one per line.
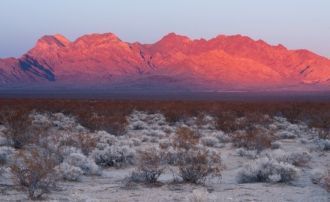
[174, 63]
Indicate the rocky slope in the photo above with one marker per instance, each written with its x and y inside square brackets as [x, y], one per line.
[174, 62]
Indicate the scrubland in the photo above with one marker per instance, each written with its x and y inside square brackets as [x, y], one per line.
[97, 150]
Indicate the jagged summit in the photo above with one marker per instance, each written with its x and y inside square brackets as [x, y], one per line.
[94, 38]
[173, 37]
[174, 62]
[56, 39]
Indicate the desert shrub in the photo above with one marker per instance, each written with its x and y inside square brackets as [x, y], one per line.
[116, 156]
[17, 122]
[35, 172]
[195, 166]
[221, 136]
[321, 177]
[134, 142]
[114, 123]
[64, 142]
[253, 139]
[164, 144]
[230, 121]
[154, 140]
[150, 166]
[6, 154]
[317, 175]
[286, 134]
[155, 133]
[251, 119]
[209, 141]
[167, 129]
[145, 138]
[65, 151]
[67, 141]
[65, 122]
[87, 142]
[69, 172]
[267, 170]
[250, 154]
[105, 139]
[324, 134]
[324, 144]
[41, 120]
[172, 116]
[139, 125]
[324, 139]
[87, 165]
[298, 158]
[204, 121]
[276, 145]
[185, 138]
[3, 140]
[226, 121]
[320, 119]
[172, 155]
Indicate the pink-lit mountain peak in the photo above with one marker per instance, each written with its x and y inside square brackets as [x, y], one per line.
[224, 62]
[174, 38]
[50, 40]
[98, 38]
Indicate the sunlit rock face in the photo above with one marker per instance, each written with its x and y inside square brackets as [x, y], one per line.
[174, 62]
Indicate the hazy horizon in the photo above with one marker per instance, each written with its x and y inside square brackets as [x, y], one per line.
[296, 24]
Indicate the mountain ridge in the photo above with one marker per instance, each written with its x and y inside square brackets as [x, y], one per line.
[221, 63]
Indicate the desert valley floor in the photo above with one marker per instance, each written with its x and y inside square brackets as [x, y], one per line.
[105, 149]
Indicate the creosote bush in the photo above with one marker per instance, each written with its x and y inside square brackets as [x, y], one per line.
[114, 156]
[267, 170]
[6, 154]
[87, 165]
[151, 164]
[196, 165]
[321, 177]
[185, 138]
[324, 134]
[35, 172]
[231, 121]
[297, 158]
[87, 143]
[114, 123]
[226, 121]
[69, 172]
[17, 122]
[253, 139]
